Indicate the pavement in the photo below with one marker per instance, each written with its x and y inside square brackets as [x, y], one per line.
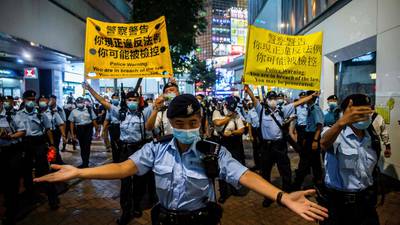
[96, 202]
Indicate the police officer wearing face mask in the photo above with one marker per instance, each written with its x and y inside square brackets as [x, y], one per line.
[331, 115]
[133, 136]
[310, 155]
[82, 121]
[352, 153]
[11, 131]
[112, 124]
[229, 128]
[37, 141]
[274, 149]
[184, 179]
[158, 119]
[57, 124]
[280, 100]
[68, 107]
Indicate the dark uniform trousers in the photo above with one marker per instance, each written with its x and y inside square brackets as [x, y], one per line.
[301, 135]
[276, 152]
[134, 188]
[115, 132]
[309, 159]
[84, 135]
[35, 156]
[10, 170]
[57, 140]
[350, 208]
[234, 144]
[256, 147]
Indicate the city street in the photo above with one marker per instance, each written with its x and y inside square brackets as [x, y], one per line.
[96, 202]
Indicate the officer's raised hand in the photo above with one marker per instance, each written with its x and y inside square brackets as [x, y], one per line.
[159, 103]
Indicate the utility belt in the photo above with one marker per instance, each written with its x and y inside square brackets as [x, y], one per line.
[211, 214]
[133, 145]
[84, 126]
[34, 140]
[274, 142]
[367, 196]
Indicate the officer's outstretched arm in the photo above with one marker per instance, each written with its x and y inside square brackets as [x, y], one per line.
[302, 101]
[106, 172]
[295, 201]
[100, 99]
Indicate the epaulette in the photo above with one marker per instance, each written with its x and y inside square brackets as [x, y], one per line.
[163, 139]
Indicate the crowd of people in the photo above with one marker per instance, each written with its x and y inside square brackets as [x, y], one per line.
[171, 148]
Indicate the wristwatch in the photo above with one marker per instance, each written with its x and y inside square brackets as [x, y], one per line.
[279, 198]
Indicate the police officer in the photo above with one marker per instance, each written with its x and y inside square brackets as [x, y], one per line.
[133, 136]
[112, 124]
[185, 192]
[37, 141]
[301, 121]
[50, 109]
[158, 119]
[12, 130]
[272, 119]
[331, 115]
[281, 99]
[229, 127]
[310, 155]
[353, 151]
[68, 107]
[82, 121]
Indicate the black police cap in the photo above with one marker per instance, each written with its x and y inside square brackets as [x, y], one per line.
[358, 100]
[132, 94]
[332, 97]
[272, 94]
[80, 99]
[310, 93]
[29, 94]
[53, 96]
[43, 96]
[170, 84]
[281, 95]
[184, 105]
[302, 94]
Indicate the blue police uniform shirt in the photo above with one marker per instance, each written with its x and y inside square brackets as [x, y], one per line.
[112, 114]
[60, 112]
[82, 116]
[181, 182]
[301, 112]
[132, 128]
[16, 124]
[315, 117]
[329, 118]
[35, 124]
[54, 118]
[350, 165]
[252, 118]
[269, 129]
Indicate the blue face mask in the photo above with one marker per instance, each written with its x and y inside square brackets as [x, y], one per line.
[332, 105]
[132, 105]
[186, 137]
[115, 102]
[30, 104]
[42, 104]
[80, 105]
[362, 125]
[7, 105]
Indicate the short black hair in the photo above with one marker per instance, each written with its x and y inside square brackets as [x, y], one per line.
[358, 100]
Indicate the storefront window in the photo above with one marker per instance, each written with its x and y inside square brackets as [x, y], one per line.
[357, 75]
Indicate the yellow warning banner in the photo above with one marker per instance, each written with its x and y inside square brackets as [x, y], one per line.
[118, 50]
[280, 60]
